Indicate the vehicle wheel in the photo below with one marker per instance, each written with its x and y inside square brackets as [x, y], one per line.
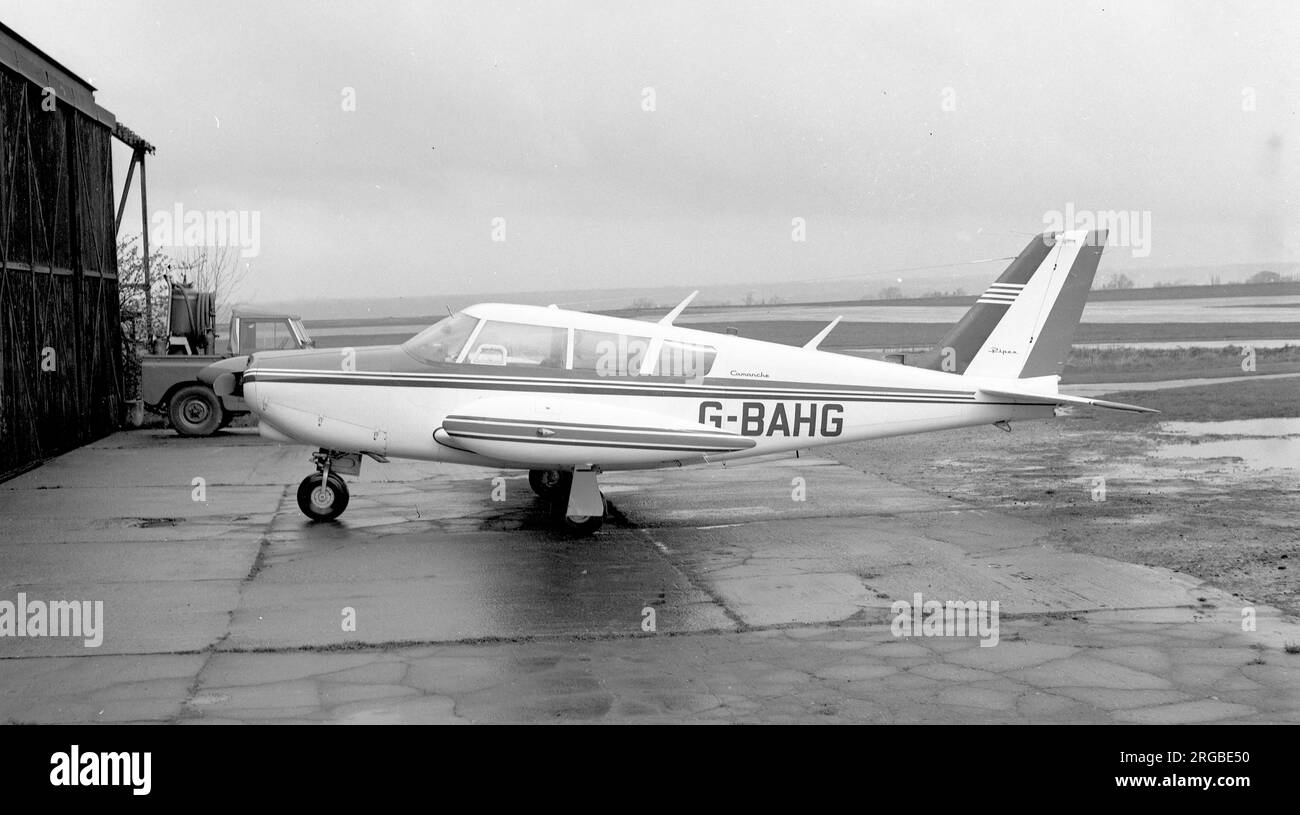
[195, 411]
[322, 502]
[582, 525]
[545, 482]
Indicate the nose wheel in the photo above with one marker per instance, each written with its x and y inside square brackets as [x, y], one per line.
[323, 495]
[322, 499]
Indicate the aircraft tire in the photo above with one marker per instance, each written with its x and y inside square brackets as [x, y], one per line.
[546, 483]
[323, 505]
[584, 525]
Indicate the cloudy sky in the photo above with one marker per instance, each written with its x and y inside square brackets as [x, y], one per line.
[902, 134]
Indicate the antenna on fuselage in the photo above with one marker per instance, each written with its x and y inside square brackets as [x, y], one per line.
[672, 315]
[812, 344]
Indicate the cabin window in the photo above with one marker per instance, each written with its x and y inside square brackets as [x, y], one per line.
[500, 343]
[608, 354]
[684, 359]
[442, 341]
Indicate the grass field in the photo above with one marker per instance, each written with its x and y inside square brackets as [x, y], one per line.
[1152, 364]
[1260, 399]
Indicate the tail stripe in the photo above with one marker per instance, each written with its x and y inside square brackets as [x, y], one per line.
[1004, 293]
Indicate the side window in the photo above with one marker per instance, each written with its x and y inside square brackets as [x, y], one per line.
[518, 344]
[608, 354]
[684, 359]
[265, 335]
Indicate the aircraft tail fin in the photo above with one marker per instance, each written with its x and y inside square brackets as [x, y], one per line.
[959, 346]
[1023, 325]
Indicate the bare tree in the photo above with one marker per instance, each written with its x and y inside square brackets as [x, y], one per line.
[211, 268]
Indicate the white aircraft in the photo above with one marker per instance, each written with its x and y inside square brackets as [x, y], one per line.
[567, 395]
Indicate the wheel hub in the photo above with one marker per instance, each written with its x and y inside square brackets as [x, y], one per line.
[322, 497]
[195, 411]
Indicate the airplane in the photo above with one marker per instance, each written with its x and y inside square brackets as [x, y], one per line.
[568, 395]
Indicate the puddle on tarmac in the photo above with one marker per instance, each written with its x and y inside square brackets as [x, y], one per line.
[1257, 454]
[1238, 427]
[1266, 444]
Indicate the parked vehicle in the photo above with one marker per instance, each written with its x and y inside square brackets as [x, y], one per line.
[169, 379]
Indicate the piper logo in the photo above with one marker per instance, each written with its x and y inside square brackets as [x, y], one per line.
[90, 769]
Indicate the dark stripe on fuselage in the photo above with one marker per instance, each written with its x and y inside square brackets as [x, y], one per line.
[458, 427]
[584, 425]
[916, 395]
[549, 377]
[574, 443]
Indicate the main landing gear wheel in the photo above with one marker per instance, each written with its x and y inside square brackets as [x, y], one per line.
[561, 500]
[545, 482]
[322, 499]
[582, 525]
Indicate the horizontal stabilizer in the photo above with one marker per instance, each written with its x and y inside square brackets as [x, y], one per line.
[1028, 398]
[813, 343]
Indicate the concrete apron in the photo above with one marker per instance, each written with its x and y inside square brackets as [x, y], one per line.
[746, 593]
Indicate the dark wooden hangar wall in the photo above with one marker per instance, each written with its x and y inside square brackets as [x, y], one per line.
[60, 337]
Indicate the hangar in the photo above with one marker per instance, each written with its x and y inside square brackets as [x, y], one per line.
[61, 376]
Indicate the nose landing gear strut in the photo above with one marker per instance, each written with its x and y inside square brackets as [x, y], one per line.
[324, 495]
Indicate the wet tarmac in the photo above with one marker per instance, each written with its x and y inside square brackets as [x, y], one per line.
[756, 593]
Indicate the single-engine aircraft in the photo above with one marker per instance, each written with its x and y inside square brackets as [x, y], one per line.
[568, 395]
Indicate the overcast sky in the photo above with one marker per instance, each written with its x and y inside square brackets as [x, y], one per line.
[903, 134]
